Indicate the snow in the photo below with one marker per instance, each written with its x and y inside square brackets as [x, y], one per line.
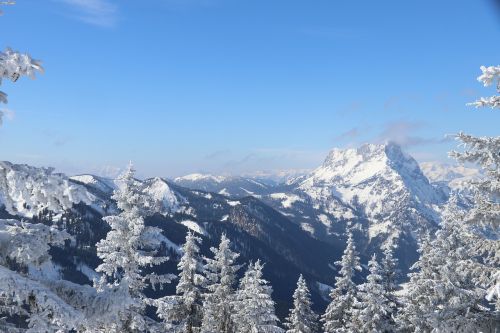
[378, 228]
[26, 190]
[324, 219]
[198, 176]
[324, 290]
[87, 271]
[455, 176]
[224, 192]
[374, 178]
[287, 199]
[160, 191]
[233, 203]
[224, 218]
[307, 227]
[194, 226]
[104, 185]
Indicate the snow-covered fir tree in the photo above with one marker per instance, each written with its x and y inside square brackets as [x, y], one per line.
[302, 318]
[338, 314]
[372, 311]
[26, 299]
[485, 213]
[389, 275]
[128, 248]
[443, 294]
[254, 307]
[183, 312]
[218, 300]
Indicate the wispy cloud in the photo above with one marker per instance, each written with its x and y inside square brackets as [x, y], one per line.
[218, 154]
[349, 135]
[55, 137]
[405, 133]
[6, 114]
[101, 13]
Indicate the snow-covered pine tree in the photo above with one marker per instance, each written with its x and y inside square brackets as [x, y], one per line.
[337, 317]
[183, 312]
[442, 296]
[13, 65]
[129, 247]
[254, 307]
[302, 318]
[485, 214]
[25, 271]
[220, 273]
[389, 274]
[372, 311]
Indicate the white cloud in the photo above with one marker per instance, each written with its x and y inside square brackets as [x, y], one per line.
[6, 114]
[405, 134]
[96, 12]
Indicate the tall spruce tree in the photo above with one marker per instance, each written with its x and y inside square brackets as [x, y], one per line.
[129, 247]
[442, 295]
[218, 301]
[183, 312]
[254, 307]
[372, 311]
[389, 276]
[337, 317]
[302, 318]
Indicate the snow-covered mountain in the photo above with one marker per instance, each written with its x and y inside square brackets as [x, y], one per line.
[233, 186]
[453, 175]
[298, 226]
[77, 204]
[379, 189]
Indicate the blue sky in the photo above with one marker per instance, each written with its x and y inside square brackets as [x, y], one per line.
[236, 86]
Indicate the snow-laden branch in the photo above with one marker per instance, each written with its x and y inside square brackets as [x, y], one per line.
[490, 75]
[13, 65]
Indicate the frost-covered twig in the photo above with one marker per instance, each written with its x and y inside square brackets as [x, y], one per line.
[490, 75]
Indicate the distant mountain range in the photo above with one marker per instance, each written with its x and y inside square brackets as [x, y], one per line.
[296, 226]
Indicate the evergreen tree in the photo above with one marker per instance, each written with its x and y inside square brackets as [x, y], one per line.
[183, 312]
[389, 274]
[337, 317]
[302, 319]
[254, 307]
[372, 310]
[130, 246]
[218, 300]
[485, 214]
[442, 295]
[25, 299]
